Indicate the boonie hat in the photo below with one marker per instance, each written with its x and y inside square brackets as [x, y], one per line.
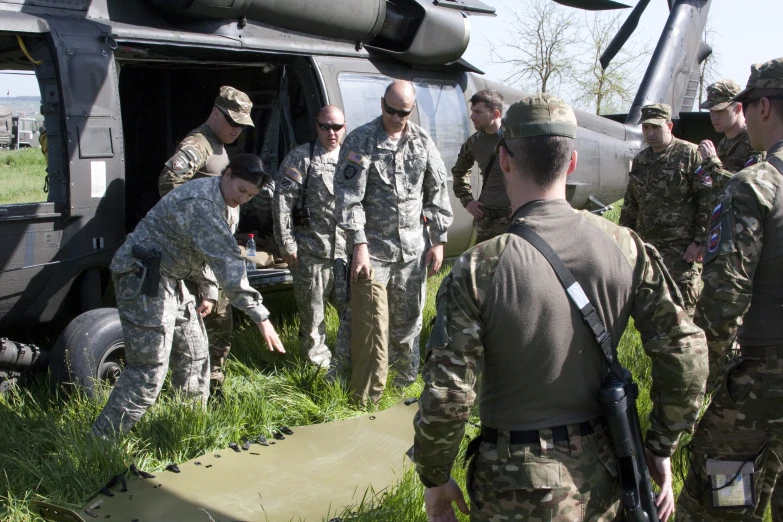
[656, 114]
[539, 115]
[719, 95]
[767, 75]
[235, 104]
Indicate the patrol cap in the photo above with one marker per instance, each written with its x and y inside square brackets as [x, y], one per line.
[235, 104]
[656, 114]
[719, 95]
[767, 75]
[539, 115]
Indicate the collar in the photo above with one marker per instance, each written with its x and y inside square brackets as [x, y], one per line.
[542, 207]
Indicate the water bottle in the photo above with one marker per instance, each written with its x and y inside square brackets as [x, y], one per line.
[251, 253]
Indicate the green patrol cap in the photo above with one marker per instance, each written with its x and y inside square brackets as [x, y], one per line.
[235, 104]
[656, 114]
[719, 95]
[767, 75]
[539, 115]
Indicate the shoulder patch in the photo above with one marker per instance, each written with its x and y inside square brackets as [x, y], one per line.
[752, 161]
[286, 182]
[713, 238]
[720, 237]
[184, 161]
[349, 172]
[293, 174]
[716, 213]
[354, 158]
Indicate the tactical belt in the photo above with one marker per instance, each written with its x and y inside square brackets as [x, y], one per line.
[496, 213]
[559, 434]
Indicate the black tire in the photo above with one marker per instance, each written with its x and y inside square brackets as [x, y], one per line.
[90, 350]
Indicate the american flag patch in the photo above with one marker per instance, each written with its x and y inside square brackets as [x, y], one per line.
[293, 174]
[354, 158]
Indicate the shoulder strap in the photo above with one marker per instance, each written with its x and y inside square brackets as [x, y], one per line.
[485, 172]
[309, 168]
[776, 162]
[575, 294]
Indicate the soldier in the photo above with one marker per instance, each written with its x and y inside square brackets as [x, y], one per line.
[393, 204]
[734, 151]
[188, 232]
[546, 456]
[492, 211]
[735, 456]
[201, 154]
[668, 202]
[306, 231]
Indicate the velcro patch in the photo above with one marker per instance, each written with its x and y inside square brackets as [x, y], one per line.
[349, 171]
[713, 239]
[286, 182]
[293, 174]
[716, 213]
[180, 163]
[354, 158]
[752, 161]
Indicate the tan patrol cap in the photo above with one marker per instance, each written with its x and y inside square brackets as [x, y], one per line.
[767, 75]
[539, 115]
[656, 114]
[235, 104]
[719, 95]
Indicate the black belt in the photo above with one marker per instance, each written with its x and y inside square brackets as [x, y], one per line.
[496, 213]
[559, 434]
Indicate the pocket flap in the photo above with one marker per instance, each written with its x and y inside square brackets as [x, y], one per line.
[527, 475]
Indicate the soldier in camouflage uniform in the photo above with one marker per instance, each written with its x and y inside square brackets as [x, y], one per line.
[393, 203]
[189, 228]
[310, 250]
[202, 154]
[492, 211]
[668, 201]
[543, 452]
[743, 285]
[734, 152]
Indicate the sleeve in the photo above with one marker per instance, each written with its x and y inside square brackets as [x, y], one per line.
[677, 349]
[204, 223]
[702, 191]
[207, 284]
[630, 210]
[454, 354]
[436, 205]
[285, 200]
[190, 156]
[461, 171]
[713, 167]
[731, 256]
[350, 183]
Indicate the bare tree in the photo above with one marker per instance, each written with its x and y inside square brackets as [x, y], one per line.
[609, 90]
[708, 72]
[537, 46]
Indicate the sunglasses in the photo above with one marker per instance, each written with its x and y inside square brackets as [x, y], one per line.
[748, 101]
[228, 118]
[330, 126]
[398, 112]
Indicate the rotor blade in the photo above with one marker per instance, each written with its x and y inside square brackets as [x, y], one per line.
[593, 5]
[625, 32]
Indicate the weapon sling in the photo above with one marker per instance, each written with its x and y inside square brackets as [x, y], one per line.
[485, 173]
[309, 170]
[617, 395]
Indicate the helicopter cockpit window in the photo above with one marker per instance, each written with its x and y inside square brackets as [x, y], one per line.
[362, 95]
[442, 112]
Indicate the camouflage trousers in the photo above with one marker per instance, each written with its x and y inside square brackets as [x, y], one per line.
[317, 282]
[744, 423]
[686, 275]
[488, 227]
[160, 333]
[406, 285]
[219, 325]
[560, 481]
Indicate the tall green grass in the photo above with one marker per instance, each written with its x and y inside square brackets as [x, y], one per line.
[22, 176]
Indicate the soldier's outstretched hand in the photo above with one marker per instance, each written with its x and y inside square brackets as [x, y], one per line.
[270, 336]
[437, 502]
[661, 473]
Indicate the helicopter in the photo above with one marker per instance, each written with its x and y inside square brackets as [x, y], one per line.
[121, 81]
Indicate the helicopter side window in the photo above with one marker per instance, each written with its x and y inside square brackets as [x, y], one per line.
[362, 95]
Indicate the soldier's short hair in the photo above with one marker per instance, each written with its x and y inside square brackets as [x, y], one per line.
[489, 97]
[249, 168]
[772, 94]
[544, 158]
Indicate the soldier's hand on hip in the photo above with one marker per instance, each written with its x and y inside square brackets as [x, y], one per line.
[661, 472]
[434, 258]
[270, 336]
[206, 307]
[291, 260]
[437, 502]
[361, 262]
[706, 149]
[475, 208]
[693, 253]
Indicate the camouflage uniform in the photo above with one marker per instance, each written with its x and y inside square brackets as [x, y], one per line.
[743, 292]
[316, 281]
[189, 227]
[480, 147]
[733, 154]
[667, 203]
[566, 470]
[385, 194]
[201, 154]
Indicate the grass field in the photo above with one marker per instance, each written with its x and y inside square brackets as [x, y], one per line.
[22, 176]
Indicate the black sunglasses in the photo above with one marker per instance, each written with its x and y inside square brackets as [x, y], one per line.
[398, 112]
[330, 126]
[747, 101]
[228, 118]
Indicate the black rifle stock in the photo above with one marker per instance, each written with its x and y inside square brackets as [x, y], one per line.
[618, 407]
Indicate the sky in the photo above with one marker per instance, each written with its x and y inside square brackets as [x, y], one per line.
[743, 36]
